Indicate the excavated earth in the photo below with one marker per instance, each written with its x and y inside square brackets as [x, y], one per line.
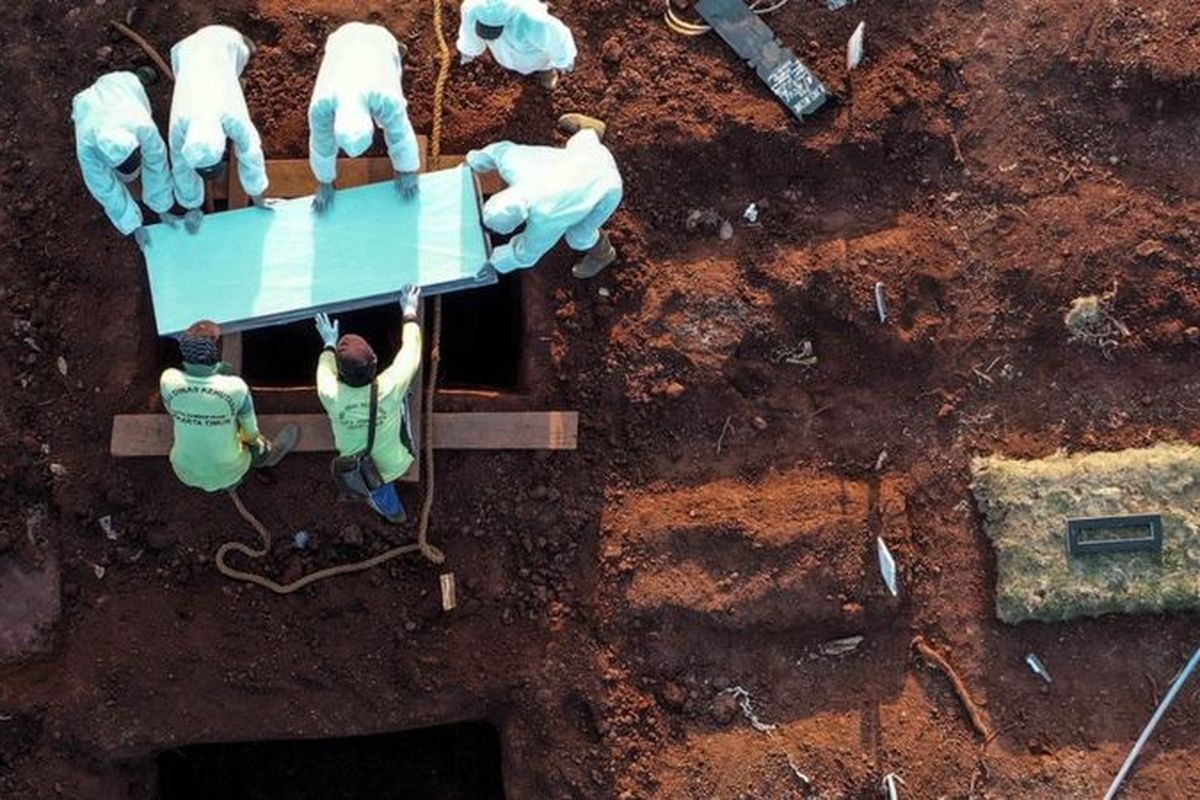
[990, 161]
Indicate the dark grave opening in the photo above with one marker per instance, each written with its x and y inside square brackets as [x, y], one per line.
[482, 334]
[286, 355]
[449, 762]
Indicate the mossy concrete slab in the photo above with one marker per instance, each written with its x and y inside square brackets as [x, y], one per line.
[1025, 507]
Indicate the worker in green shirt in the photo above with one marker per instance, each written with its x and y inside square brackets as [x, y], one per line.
[345, 373]
[216, 432]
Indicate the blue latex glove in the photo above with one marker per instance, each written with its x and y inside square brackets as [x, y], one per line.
[192, 219]
[406, 184]
[141, 236]
[323, 198]
[327, 329]
[412, 296]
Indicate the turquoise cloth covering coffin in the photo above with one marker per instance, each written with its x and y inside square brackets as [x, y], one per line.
[252, 268]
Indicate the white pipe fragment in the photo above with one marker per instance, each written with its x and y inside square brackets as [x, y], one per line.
[854, 48]
[880, 302]
[1152, 724]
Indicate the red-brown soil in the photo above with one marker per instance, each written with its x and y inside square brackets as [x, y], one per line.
[991, 161]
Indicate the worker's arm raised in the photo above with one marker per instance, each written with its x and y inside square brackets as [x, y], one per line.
[327, 329]
[408, 360]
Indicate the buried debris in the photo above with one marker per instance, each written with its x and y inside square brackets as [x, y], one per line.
[890, 789]
[1038, 668]
[743, 698]
[1090, 321]
[974, 711]
[887, 567]
[840, 647]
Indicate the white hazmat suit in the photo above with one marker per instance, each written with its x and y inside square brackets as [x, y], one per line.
[567, 192]
[358, 88]
[112, 120]
[532, 41]
[208, 107]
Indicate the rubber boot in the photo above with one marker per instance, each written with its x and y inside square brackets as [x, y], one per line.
[600, 256]
[548, 78]
[571, 124]
[283, 443]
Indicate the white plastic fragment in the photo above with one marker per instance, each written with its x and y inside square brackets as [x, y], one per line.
[301, 539]
[880, 302]
[1038, 667]
[99, 571]
[58, 470]
[62, 366]
[726, 231]
[751, 213]
[106, 525]
[834, 5]
[890, 790]
[743, 698]
[854, 48]
[887, 567]
[840, 647]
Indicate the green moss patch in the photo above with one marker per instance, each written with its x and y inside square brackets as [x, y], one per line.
[1026, 504]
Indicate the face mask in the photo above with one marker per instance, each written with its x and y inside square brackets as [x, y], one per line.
[129, 177]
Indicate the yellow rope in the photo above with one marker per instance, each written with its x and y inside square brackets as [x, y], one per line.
[422, 544]
[684, 28]
[265, 548]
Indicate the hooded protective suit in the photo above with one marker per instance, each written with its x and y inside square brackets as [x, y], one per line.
[532, 40]
[112, 120]
[558, 193]
[208, 107]
[358, 88]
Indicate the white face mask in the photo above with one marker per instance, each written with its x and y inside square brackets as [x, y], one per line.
[128, 177]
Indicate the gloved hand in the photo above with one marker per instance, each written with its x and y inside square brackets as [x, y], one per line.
[408, 302]
[324, 197]
[327, 329]
[141, 236]
[406, 184]
[192, 219]
[169, 219]
[258, 201]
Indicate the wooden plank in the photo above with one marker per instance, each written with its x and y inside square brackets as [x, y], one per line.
[151, 435]
[489, 182]
[293, 177]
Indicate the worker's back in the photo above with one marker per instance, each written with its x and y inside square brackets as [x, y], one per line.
[208, 452]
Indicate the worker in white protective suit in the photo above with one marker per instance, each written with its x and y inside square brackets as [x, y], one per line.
[521, 35]
[358, 89]
[116, 140]
[557, 193]
[208, 109]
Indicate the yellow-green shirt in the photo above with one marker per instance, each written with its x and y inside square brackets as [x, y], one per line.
[214, 419]
[349, 407]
